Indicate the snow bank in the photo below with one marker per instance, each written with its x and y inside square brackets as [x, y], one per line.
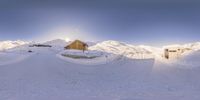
[118, 48]
[190, 60]
[87, 57]
[187, 60]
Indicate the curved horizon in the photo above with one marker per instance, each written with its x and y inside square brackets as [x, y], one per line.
[137, 22]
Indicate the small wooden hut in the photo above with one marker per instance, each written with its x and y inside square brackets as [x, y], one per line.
[174, 52]
[171, 53]
[77, 45]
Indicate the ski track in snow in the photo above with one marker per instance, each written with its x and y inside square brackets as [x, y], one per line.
[43, 76]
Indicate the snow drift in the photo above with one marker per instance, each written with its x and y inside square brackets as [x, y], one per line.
[87, 57]
[189, 60]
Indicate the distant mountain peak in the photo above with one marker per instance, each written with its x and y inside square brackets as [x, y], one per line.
[11, 44]
[121, 48]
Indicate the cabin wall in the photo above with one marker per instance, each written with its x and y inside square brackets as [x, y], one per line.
[172, 53]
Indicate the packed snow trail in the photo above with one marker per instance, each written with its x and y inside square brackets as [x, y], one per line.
[43, 76]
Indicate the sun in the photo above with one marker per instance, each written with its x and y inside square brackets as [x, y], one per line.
[67, 39]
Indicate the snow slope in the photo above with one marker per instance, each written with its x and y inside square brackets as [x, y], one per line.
[57, 44]
[193, 46]
[43, 76]
[127, 50]
[88, 57]
[11, 44]
[154, 50]
[9, 58]
[189, 60]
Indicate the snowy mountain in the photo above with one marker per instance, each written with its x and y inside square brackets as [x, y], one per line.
[63, 43]
[11, 44]
[119, 48]
[193, 46]
[154, 50]
[97, 74]
[189, 47]
[56, 42]
[91, 43]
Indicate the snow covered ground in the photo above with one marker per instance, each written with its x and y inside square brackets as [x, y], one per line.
[8, 58]
[45, 75]
[189, 60]
[87, 57]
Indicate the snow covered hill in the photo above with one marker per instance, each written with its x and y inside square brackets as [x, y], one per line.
[42, 75]
[193, 46]
[114, 47]
[106, 52]
[154, 50]
[119, 48]
[57, 42]
[63, 43]
[187, 48]
[11, 44]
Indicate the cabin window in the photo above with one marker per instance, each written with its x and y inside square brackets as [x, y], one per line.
[172, 51]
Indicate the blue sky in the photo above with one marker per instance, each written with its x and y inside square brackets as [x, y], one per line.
[132, 21]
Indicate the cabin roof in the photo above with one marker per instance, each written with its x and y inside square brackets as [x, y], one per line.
[71, 42]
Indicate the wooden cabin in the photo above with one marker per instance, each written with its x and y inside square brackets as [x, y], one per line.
[77, 45]
[171, 53]
[174, 52]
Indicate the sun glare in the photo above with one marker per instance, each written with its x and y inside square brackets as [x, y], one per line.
[67, 39]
